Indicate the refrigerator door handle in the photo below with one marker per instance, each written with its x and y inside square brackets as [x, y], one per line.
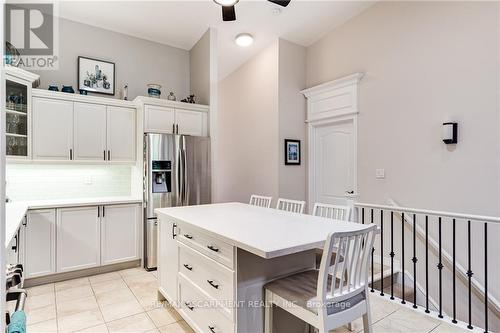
[185, 180]
[178, 171]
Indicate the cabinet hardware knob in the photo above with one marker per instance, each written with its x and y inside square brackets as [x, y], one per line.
[211, 282]
[189, 306]
[188, 236]
[212, 329]
[189, 268]
[173, 230]
[71, 154]
[109, 155]
[213, 248]
[104, 155]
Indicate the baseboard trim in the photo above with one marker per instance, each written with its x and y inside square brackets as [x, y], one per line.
[80, 273]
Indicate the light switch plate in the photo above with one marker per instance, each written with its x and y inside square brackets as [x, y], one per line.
[380, 173]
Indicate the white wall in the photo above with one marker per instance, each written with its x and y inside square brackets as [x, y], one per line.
[46, 181]
[137, 61]
[425, 63]
[199, 63]
[292, 116]
[248, 145]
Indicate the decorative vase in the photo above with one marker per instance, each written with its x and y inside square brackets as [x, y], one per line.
[83, 92]
[53, 87]
[171, 97]
[68, 89]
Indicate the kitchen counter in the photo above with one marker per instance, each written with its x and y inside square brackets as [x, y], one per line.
[16, 210]
[265, 232]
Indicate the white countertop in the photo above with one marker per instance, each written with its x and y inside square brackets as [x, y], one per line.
[15, 210]
[265, 232]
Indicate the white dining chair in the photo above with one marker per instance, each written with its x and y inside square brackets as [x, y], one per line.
[322, 298]
[261, 201]
[336, 212]
[294, 206]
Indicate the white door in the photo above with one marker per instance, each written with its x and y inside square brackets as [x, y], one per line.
[334, 165]
[121, 134]
[78, 238]
[120, 233]
[158, 119]
[52, 129]
[89, 132]
[191, 122]
[167, 258]
[40, 243]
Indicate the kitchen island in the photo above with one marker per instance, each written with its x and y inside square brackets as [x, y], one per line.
[215, 259]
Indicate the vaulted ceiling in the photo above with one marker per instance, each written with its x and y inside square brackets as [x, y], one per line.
[182, 23]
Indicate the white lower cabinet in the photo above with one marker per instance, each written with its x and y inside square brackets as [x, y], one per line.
[78, 238]
[202, 286]
[39, 235]
[167, 256]
[120, 233]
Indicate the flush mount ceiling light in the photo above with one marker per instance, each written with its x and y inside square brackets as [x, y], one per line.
[226, 2]
[244, 40]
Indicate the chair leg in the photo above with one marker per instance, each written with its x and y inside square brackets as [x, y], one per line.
[268, 313]
[367, 317]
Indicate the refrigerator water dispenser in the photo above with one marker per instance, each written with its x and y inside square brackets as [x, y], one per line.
[162, 176]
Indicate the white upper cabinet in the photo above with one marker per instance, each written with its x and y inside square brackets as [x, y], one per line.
[40, 243]
[83, 128]
[191, 122]
[121, 134]
[52, 129]
[120, 233]
[89, 132]
[169, 117]
[159, 119]
[78, 238]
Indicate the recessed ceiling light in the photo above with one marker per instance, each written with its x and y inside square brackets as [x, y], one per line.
[244, 40]
[226, 2]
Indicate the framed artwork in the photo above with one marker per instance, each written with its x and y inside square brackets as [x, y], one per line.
[97, 76]
[292, 152]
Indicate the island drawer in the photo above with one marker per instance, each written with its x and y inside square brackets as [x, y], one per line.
[201, 311]
[210, 246]
[210, 276]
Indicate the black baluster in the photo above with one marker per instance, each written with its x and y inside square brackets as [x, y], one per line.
[403, 257]
[440, 268]
[373, 252]
[414, 259]
[381, 252]
[392, 255]
[427, 264]
[486, 277]
[454, 320]
[469, 275]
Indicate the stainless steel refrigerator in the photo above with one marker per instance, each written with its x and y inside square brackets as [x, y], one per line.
[177, 173]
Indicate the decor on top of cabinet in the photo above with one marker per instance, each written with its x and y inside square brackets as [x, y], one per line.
[68, 89]
[190, 99]
[53, 87]
[12, 55]
[96, 76]
[171, 96]
[125, 92]
[292, 152]
[154, 90]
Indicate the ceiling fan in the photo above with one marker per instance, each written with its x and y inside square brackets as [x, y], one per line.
[229, 13]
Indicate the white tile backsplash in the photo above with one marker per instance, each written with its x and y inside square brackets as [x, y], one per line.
[39, 182]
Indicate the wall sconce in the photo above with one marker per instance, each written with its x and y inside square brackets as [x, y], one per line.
[450, 133]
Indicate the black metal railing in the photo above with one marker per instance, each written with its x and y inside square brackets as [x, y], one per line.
[418, 222]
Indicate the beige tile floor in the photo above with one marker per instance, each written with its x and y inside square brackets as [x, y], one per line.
[125, 301]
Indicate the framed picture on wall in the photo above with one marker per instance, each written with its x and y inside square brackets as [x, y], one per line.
[292, 152]
[97, 76]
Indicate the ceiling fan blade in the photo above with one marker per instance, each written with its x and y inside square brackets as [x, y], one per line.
[228, 13]
[283, 3]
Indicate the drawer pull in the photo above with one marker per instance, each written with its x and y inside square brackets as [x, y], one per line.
[189, 268]
[213, 248]
[211, 282]
[212, 329]
[188, 236]
[189, 306]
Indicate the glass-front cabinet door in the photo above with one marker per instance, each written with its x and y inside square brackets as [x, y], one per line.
[17, 122]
